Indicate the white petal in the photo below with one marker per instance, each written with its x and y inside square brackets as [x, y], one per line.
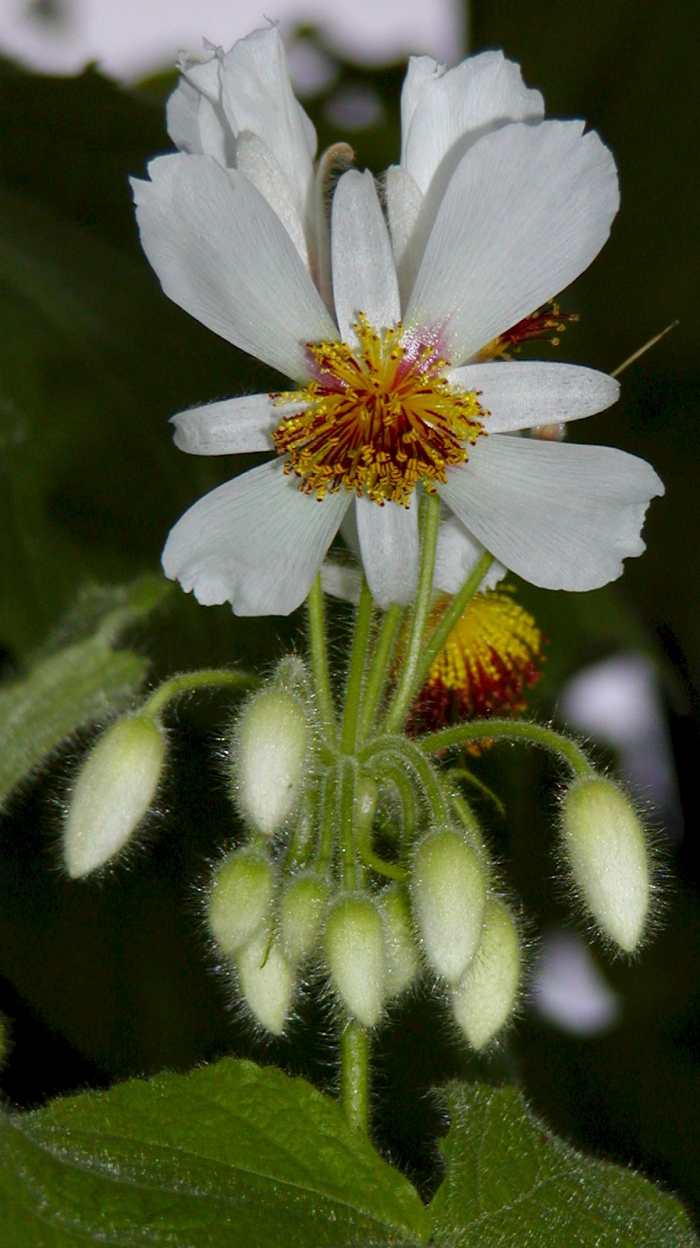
[444, 111]
[364, 277]
[389, 549]
[256, 542]
[231, 426]
[561, 516]
[256, 161]
[222, 255]
[195, 124]
[519, 395]
[349, 533]
[203, 72]
[257, 95]
[341, 580]
[525, 212]
[456, 556]
[403, 203]
[421, 71]
[182, 114]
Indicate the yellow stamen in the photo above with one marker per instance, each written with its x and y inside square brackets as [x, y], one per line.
[378, 420]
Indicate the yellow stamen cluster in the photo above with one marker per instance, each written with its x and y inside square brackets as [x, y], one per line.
[491, 656]
[378, 419]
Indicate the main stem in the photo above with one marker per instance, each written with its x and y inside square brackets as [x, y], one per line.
[318, 646]
[354, 1041]
[354, 1075]
[405, 689]
[450, 618]
[380, 667]
[356, 671]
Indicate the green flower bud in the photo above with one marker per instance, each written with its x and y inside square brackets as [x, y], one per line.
[114, 790]
[266, 981]
[302, 906]
[292, 675]
[354, 943]
[606, 851]
[448, 889]
[401, 954]
[240, 898]
[484, 998]
[272, 739]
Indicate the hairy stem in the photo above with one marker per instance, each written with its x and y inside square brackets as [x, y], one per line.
[356, 671]
[319, 659]
[452, 615]
[408, 680]
[354, 1075]
[380, 667]
[396, 750]
[206, 678]
[510, 730]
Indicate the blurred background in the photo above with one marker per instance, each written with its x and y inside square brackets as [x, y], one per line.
[105, 979]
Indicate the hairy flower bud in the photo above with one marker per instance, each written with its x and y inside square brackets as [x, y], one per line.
[271, 743]
[401, 953]
[240, 897]
[266, 981]
[484, 998]
[302, 906]
[114, 789]
[606, 851]
[448, 889]
[354, 943]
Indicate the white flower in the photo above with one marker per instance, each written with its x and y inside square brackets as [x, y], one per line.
[491, 212]
[239, 108]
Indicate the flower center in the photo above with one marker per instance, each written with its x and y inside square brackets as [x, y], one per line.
[490, 658]
[378, 419]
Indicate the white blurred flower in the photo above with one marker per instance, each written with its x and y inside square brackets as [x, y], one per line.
[398, 384]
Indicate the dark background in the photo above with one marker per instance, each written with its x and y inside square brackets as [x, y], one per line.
[110, 978]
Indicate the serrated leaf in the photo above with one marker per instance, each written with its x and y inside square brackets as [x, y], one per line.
[74, 685]
[509, 1181]
[232, 1154]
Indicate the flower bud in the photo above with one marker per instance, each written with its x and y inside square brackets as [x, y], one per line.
[354, 943]
[114, 789]
[606, 850]
[484, 998]
[449, 894]
[301, 914]
[401, 954]
[292, 675]
[266, 982]
[240, 897]
[272, 740]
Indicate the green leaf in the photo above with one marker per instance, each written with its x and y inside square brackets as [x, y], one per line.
[76, 683]
[230, 1154]
[509, 1182]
